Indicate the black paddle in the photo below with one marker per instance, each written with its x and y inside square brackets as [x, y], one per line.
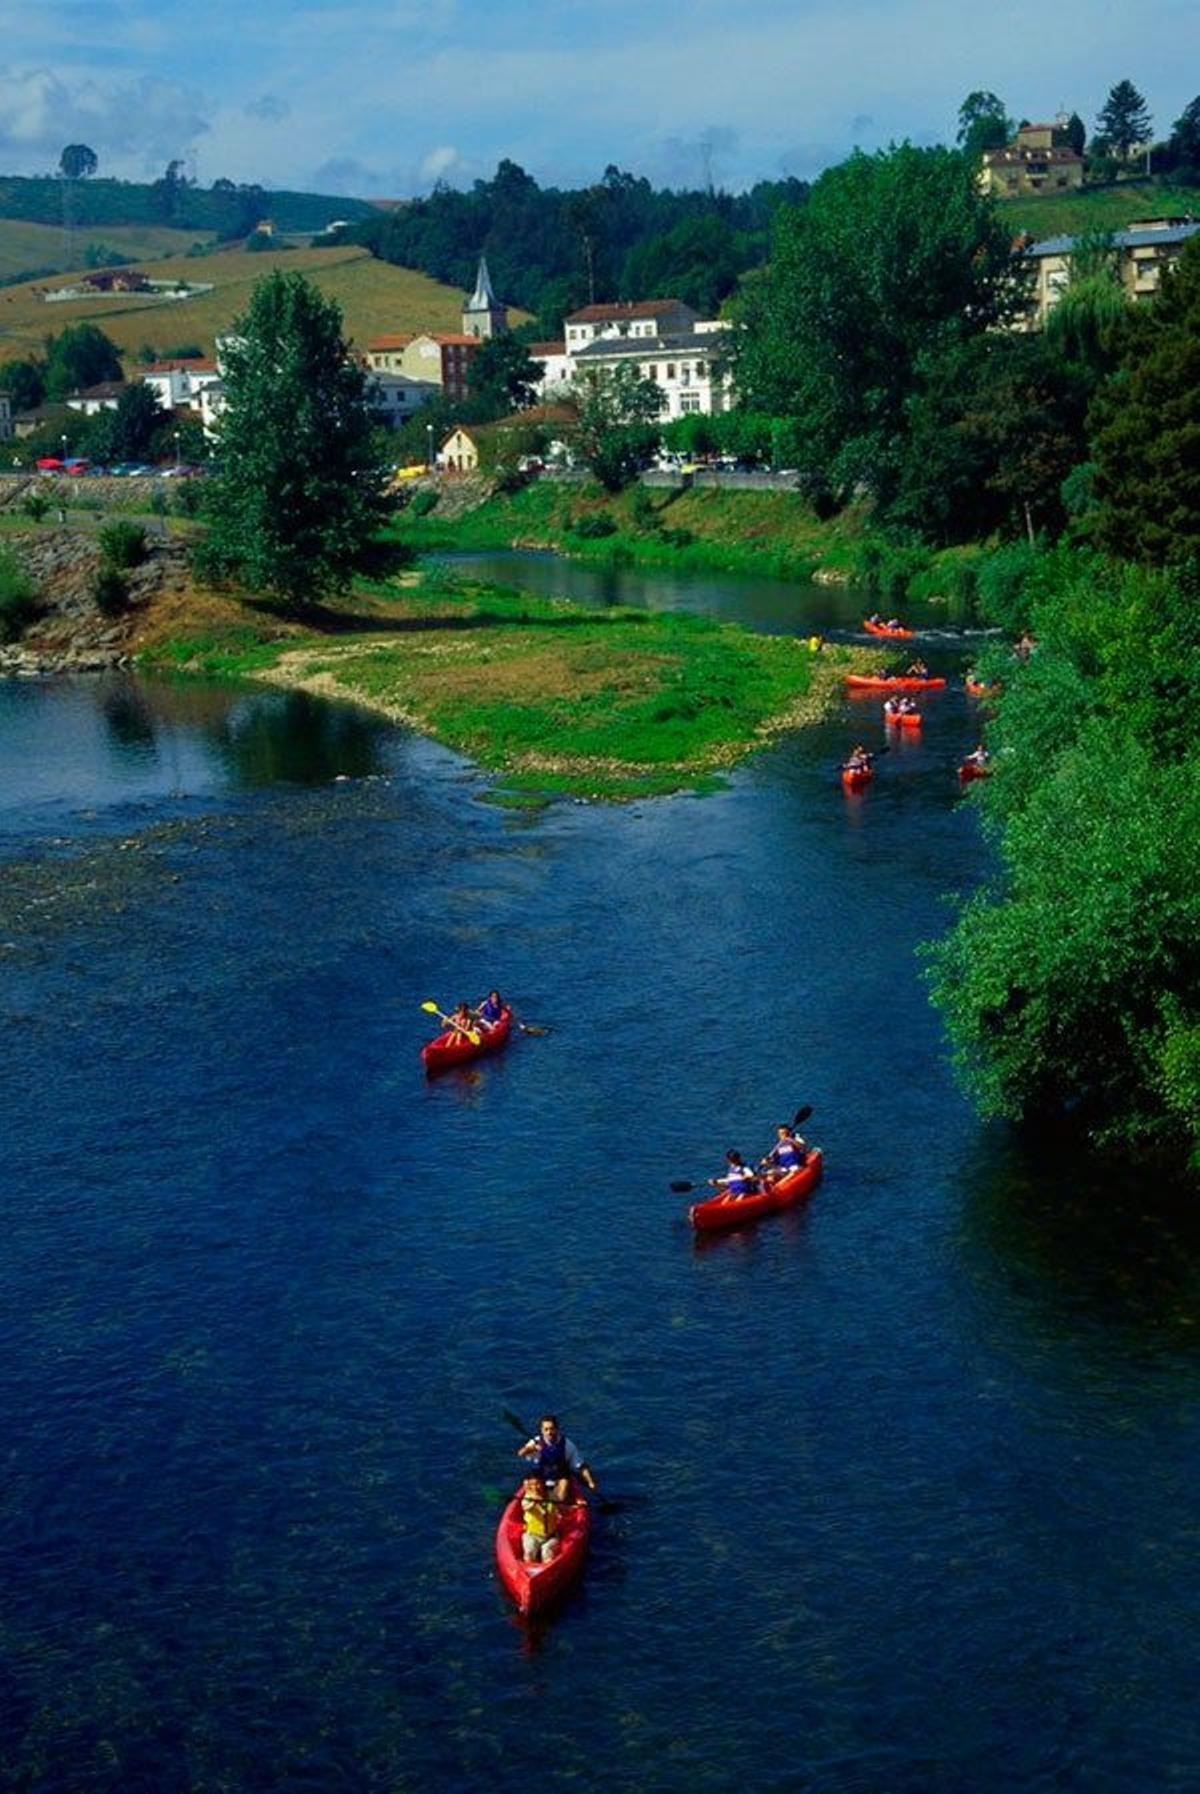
[607, 1504]
[681, 1186]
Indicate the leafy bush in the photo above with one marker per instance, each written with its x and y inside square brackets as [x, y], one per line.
[110, 593]
[421, 503]
[123, 545]
[593, 527]
[35, 505]
[157, 502]
[677, 538]
[1003, 582]
[17, 605]
[188, 498]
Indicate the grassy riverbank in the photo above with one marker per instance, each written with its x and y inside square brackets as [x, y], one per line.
[553, 698]
[774, 534]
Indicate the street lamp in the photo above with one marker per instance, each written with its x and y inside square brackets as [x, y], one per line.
[176, 434]
[429, 447]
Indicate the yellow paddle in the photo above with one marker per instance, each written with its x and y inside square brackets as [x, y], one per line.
[433, 1009]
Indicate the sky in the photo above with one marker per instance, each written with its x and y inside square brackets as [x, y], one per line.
[384, 99]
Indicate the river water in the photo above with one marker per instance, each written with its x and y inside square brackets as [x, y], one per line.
[906, 1477]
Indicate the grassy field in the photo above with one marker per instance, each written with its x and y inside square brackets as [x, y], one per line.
[24, 247]
[1100, 208]
[374, 297]
[552, 698]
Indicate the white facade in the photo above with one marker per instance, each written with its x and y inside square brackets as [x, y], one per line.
[94, 399]
[685, 367]
[395, 397]
[179, 383]
[639, 319]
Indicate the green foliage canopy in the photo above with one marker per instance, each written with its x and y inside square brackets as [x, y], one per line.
[618, 429]
[895, 257]
[297, 494]
[1124, 119]
[79, 356]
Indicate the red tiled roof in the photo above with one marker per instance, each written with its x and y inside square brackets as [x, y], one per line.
[189, 365]
[452, 337]
[540, 350]
[390, 342]
[624, 308]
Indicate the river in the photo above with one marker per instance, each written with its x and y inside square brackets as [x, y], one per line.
[905, 1478]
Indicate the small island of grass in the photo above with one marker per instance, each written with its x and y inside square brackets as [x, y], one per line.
[552, 697]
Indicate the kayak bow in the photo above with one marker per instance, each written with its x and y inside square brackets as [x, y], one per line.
[534, 1586]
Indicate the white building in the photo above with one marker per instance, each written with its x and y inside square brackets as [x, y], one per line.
[93, 399]
[663, 338]
[395, 397]
[180, 383]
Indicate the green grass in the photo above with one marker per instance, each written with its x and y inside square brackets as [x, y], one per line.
[25, 247]
[553, 698]
[1096, 208]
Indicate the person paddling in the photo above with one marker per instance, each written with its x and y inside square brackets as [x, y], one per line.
[918, 670]
[860, 760]
[556, 1458]
[739, 1180]
[491, 1009]
[461, 1022]
[978, 756]
[788, 1153]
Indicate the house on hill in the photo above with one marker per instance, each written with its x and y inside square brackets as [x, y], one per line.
[104, 396]
[1032, 163]
[442, 361]
[459, 453]
[665, 340]
[1143, 252]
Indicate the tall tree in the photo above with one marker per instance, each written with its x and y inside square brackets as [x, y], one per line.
[297, 496]
[1124, 118]
[503, 377]
[81, 355]
[1185, 135]
[78, 161]
[24, 382]
[1146, 425]
[618, 428]
[895, 256]
[983, 124]
[125, 434]
[1075, 134]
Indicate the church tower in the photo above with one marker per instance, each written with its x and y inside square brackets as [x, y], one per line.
[483, 314]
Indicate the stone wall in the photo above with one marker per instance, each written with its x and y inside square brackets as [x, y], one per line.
[68, 633]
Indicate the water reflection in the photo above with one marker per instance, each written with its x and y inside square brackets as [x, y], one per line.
[292, 738]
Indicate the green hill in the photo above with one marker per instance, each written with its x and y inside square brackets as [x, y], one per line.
[96, 203]
[28, 250]
[1098, 208]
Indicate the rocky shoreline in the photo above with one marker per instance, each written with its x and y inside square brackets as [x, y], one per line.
[68, 635]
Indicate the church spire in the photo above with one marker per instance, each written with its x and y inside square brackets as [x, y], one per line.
[483, 314]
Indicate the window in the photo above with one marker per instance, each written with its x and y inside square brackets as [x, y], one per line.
[689, 401]
[670, 370]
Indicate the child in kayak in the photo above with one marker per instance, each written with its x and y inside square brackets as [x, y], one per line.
[539, 1522]
[491, 1009]
[461, 1022]
[789, 1153]
[738, 1181]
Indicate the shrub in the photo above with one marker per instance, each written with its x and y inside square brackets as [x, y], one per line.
[123, 545]
[157, 502]
[188, 498]
[593, 527]
[677, 538]
[110, 593]
[35, 505]
[17, 605]
[643, 509]
[421, 503]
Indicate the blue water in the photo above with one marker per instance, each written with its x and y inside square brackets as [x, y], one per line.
[908, 1474]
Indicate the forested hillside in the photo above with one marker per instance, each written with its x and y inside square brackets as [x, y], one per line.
[550, 249]
[224, 209]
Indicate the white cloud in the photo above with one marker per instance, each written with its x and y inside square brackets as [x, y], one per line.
[140, 123]
[440, 164]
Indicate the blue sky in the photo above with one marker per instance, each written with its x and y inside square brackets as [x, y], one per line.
[385, 98]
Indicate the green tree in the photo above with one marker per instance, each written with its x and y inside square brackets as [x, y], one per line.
[895, 256]
[126, 433]
[297, 497]
[618, 429]
[24, 382]
[79, 356]
[1146, 426]
[503, 377]
[1124, 118]
[996, 428]
[1185, 136]
[77, 162]
[698, 260]
[983, 124]
[1074, 134]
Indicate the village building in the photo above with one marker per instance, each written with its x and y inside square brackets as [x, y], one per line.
[179, 383]
[104, 396]
[664, 339]
[1032, 163]
[1143, 250]
[442, 361]
[395, 397]
[459, 453]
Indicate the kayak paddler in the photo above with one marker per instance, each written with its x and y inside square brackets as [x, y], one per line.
[788, 1153]
[461, 1022]
[556, 1459]
[491, 1009]
[739, 1180]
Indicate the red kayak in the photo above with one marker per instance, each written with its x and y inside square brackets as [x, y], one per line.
[892, 635]
[903, 719]
[971, 769]
[454, 1049]
[857, 778]
[877, 682]
[977, 689]
[534, 1586]
[722, 1211]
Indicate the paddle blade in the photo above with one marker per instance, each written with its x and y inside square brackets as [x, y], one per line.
[681, 1186]
[431, 1007]
[514, 1420]
[802, 1115]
